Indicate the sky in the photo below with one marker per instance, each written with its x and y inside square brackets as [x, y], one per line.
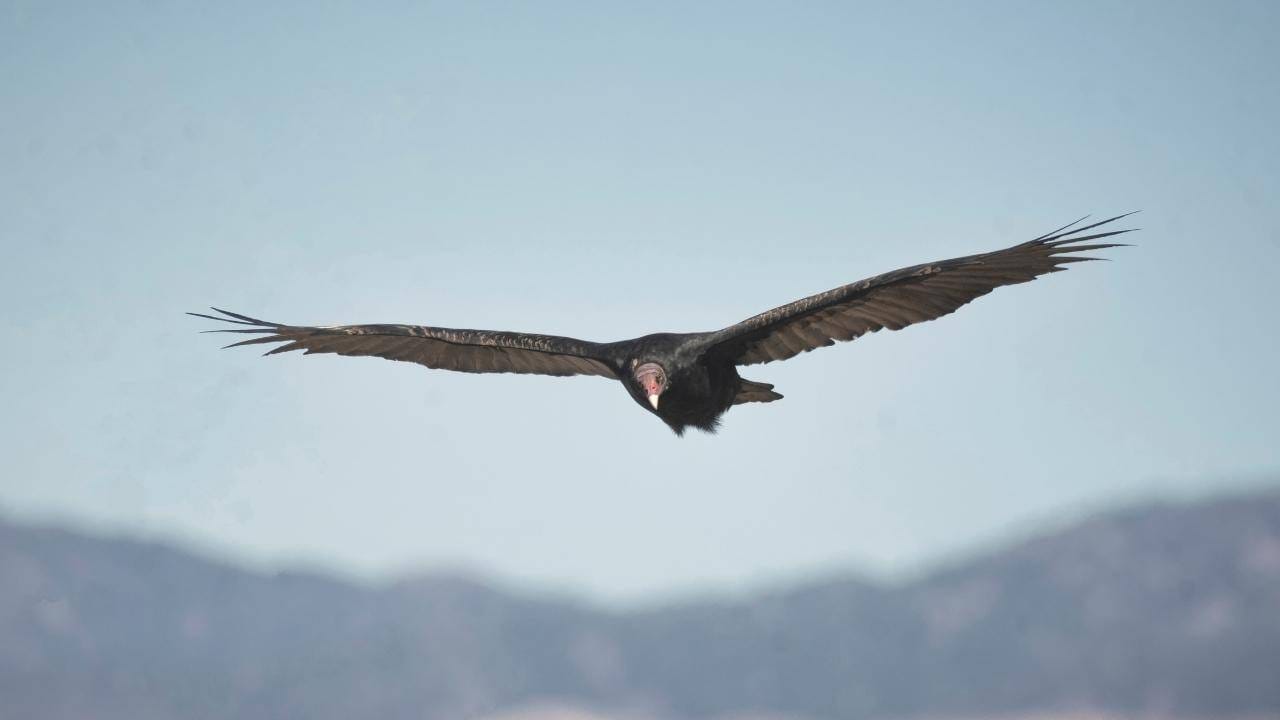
[607, 170]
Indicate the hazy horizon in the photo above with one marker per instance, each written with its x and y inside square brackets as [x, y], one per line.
[605, 172]
[1018, 533]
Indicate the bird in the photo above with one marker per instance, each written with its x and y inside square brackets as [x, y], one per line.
[691, 379]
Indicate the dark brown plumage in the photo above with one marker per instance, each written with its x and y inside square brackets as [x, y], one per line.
[691, 379]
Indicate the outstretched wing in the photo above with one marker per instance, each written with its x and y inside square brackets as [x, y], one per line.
[476, 351]
[900, 298]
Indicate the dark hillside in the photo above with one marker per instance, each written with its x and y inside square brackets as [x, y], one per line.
[1167, 610]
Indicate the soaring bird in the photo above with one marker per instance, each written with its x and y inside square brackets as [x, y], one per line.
[691, 379]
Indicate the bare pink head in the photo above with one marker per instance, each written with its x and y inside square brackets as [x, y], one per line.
[652, 380]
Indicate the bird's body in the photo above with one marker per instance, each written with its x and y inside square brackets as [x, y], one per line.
[698, 389]
[691, 379]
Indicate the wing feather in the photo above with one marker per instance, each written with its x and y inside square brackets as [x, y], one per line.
[902, 297]
[475, 351]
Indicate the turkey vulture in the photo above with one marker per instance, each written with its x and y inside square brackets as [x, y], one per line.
[691, 379]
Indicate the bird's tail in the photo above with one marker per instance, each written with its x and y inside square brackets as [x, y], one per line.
[751, 391]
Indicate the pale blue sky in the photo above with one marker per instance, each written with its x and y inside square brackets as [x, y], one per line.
[606, 170]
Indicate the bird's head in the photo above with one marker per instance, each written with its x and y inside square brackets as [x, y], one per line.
[652, 381]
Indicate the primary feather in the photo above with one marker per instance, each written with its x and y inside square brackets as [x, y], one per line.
[903, 297]
[475, 351]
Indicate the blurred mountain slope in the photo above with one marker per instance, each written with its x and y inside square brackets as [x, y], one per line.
[1165, 610]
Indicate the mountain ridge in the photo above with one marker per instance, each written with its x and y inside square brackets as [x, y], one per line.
[1163, 609]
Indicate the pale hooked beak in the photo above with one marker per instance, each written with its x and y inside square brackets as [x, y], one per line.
[653, 400]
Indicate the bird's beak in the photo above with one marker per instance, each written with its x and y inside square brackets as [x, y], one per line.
[653, 400]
